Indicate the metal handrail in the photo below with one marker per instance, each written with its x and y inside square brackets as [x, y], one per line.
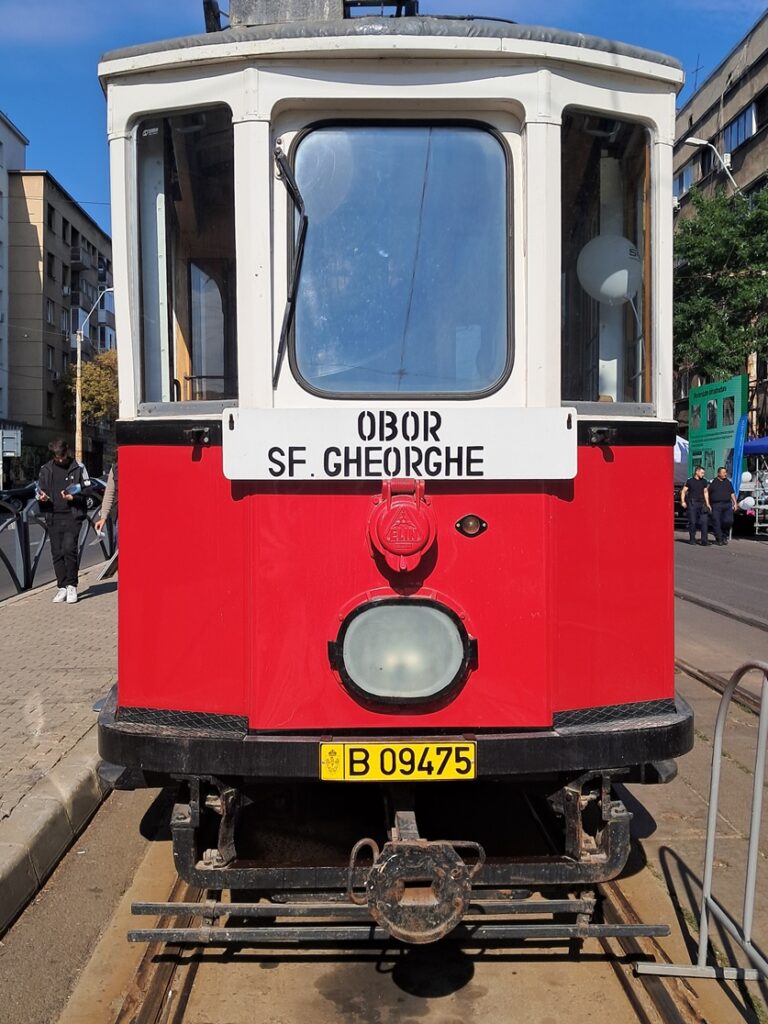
[28, 552]
[740, 933]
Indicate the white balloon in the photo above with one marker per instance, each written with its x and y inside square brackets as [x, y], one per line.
[746, 477]
[609, 269]
[746, 503]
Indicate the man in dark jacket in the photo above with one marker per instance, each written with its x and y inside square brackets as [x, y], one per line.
[696, 491]
[723, 501]
[62, 488]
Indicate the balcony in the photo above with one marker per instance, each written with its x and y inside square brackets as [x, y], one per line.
[80, 258]
[106, 317]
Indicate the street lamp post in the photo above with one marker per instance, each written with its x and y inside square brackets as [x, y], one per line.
[703, 144]
[79, 378]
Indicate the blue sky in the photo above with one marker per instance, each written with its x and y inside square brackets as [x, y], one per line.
[49, 50]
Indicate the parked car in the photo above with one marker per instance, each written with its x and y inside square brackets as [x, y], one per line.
[94, 499]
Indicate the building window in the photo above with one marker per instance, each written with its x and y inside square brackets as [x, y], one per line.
[50, 266]
[51, 357]
[65, 278]
[51, 219]
[739, 130]
[64, 322]
[64, 362]
[50, 311]
[49, 404]
[2, 205]
[65, 230]
[187, 273]
[683, 179]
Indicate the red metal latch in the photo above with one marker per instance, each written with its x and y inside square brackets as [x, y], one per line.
[402, 526]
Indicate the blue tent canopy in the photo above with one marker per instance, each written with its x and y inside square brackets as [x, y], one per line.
[757, 447]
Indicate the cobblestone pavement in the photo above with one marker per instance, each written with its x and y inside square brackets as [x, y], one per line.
[55, 660]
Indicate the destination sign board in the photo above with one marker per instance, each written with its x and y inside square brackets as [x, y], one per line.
[353, 443]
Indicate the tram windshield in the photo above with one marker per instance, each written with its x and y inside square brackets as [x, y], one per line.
[404, 278]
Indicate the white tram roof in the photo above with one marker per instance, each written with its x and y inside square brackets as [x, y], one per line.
[427, 35]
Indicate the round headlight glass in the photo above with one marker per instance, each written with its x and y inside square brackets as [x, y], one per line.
[403, 651]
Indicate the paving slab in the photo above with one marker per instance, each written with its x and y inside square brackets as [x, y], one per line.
[55, 660]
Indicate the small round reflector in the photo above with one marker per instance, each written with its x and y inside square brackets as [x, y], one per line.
[471, 525]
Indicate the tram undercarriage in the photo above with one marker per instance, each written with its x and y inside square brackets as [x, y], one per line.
[417, 859]
[289, 856]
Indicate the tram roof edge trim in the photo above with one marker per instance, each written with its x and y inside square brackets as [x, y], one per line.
[384, 29]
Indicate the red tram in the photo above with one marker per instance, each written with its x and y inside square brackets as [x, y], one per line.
[394, 302]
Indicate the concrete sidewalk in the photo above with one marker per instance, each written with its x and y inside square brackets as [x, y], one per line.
[55, 661]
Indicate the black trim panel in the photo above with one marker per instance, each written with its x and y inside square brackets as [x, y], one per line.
[591, 433]
[626, 433]
[610, 744]
[185, 721]
[151, 431]
[613, 713]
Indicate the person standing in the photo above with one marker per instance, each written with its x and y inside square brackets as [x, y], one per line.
[695, 498]
[722, 498]
[108, 501]
[62, 488]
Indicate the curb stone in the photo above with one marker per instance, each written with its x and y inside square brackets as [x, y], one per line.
[45, 823]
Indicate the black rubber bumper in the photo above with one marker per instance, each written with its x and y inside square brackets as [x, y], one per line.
[181, 743]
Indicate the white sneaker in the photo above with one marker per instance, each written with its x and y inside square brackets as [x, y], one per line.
[61, 595]
[71, 595]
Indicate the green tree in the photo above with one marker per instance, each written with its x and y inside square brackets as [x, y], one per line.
[721, 284]
[99, 388]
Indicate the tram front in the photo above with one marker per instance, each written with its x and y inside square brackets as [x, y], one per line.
[394, 304]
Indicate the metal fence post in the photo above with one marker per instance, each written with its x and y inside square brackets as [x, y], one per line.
[740, 933]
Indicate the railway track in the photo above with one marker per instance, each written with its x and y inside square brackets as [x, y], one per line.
[716, 682]
[162, 985]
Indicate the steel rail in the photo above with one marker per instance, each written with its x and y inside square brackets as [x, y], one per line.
[721, 609]
[672, 1003]
[159, 993]
[715, 682]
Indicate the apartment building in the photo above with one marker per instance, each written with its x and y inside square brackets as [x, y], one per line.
[61, 262]
[721, 137]
[13, 146]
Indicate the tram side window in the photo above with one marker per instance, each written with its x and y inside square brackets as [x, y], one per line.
[187, 253]
[606, 254]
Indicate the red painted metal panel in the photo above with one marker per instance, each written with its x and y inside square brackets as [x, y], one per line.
[227, 603]
[185, 568]
[613, 577]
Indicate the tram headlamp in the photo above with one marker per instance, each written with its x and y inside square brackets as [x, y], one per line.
[402, 651]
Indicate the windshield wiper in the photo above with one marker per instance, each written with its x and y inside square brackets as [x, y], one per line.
[286, 175]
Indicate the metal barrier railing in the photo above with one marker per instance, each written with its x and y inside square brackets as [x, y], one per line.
[24, 539]
[740, 933]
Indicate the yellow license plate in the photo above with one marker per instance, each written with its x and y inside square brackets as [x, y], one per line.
[383, 762]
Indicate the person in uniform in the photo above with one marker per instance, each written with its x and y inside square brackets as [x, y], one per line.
[695, 498]
[722, 498]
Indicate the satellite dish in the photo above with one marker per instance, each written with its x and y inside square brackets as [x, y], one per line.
[746, 477]
[609, 269]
